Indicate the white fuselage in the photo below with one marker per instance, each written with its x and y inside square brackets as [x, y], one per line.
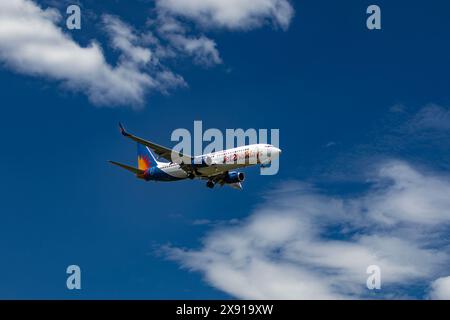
[225, 160]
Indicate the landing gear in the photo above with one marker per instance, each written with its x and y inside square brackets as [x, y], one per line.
[191, 176]
[210, 184]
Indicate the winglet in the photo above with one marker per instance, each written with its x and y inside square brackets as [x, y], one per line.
[122, 130]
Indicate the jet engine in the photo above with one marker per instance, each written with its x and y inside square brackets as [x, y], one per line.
[234, 177]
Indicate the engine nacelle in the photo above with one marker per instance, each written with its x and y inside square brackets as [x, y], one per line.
[205, 161]
[234, 177]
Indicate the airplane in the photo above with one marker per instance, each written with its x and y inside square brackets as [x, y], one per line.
[218, 168]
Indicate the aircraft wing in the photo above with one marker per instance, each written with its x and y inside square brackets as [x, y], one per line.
[161, 151]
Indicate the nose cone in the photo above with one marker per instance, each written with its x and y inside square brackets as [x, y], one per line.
[276, 151]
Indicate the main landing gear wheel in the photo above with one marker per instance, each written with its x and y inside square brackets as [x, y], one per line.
[210, 184]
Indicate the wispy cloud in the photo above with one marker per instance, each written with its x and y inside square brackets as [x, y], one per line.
[32, 43]
[181, 41]
[175, 18]
[201, 222]
[231, 14]
[440, 289]
[301, 244]
[432, 117]
[404, 131]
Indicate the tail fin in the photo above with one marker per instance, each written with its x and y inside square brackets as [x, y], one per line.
[146, 159]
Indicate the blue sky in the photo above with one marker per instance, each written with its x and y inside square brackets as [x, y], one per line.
[364, 122]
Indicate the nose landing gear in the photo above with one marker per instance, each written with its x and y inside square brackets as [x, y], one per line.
[210, 184]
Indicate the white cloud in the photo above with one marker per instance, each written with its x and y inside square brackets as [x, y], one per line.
[173, 17]
[432, 117]
[123, 38]
[31, 43]
[411, 196]
[202, 49]
[231, 14]
[302, 244]
[440, 289]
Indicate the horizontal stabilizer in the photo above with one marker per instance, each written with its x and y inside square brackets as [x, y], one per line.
[129, 168]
